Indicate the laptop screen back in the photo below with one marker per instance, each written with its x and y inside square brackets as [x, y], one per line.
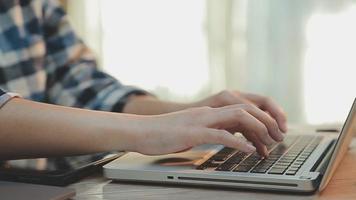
[341, 146]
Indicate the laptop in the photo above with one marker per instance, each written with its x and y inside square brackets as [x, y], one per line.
[302, 163]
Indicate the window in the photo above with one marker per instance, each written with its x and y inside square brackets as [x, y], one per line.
[159, 45]
[330, 65]
[301, 53]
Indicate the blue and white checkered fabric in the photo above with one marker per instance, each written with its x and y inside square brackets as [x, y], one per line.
[42, 59]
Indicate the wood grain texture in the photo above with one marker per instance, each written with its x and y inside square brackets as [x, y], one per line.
[341, 187]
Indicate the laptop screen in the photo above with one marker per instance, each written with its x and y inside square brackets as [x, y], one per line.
[341, 146]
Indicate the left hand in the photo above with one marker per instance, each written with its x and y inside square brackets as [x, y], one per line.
[266, 104]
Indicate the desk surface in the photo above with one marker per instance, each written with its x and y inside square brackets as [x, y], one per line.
[342, 186]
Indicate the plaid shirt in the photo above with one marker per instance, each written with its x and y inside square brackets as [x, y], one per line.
[42, 59]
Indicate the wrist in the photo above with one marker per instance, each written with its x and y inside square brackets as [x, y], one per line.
[121, 131]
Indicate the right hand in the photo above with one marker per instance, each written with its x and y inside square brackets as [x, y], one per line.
[179, 131]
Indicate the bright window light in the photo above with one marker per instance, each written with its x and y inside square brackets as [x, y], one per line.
[330, 66]
[158, 45]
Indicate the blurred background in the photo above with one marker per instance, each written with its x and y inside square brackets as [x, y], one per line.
[302, 53]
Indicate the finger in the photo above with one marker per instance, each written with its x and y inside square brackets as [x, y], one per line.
[216, 136]
[277, 113]
[271, 107]
[231, 98]
[263, 103]
[180, 151]
[235, 116]
[267, 120]
[260, 147]
[237, 98]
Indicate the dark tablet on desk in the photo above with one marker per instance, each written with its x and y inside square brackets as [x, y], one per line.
[53, 171]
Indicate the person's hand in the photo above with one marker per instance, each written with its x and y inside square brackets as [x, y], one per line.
[179, 131]
[149, 105]
[266, 104]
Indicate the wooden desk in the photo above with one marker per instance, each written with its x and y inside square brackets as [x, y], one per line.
[342, 186]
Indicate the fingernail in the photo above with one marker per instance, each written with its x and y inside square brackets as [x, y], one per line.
[250, 148]
[266, 153]
[284, 128]
[280, 136]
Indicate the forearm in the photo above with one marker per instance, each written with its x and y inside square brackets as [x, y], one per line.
[31, 129]
[148, 105]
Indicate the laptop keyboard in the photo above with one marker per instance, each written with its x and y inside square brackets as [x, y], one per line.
[284, 158]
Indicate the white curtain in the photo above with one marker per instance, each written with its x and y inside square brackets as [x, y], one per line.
[85, 16]
[159, 45]
[299, 52]
[262, 48]
[295, 51]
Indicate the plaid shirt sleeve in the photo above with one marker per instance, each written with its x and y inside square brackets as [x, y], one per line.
[73, 78]
[5, 97]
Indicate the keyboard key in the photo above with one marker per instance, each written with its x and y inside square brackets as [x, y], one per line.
[255, 156]
[236, 158]
[226, 167]
[281, 165]
[219, 157]
[259, 170]
[290, 156]
[305, 154]
[264, 163]
[242, 168]
[207, 164]
[273, 160]
[223, 154]
[291, 172]
[251, 160]
[293, 168]
[298, 162]
[303, 157]
[212, 165]
[276, 171]
[202, 166]
[284, 160]
[261, 167]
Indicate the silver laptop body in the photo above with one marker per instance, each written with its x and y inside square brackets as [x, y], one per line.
[181, 168]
